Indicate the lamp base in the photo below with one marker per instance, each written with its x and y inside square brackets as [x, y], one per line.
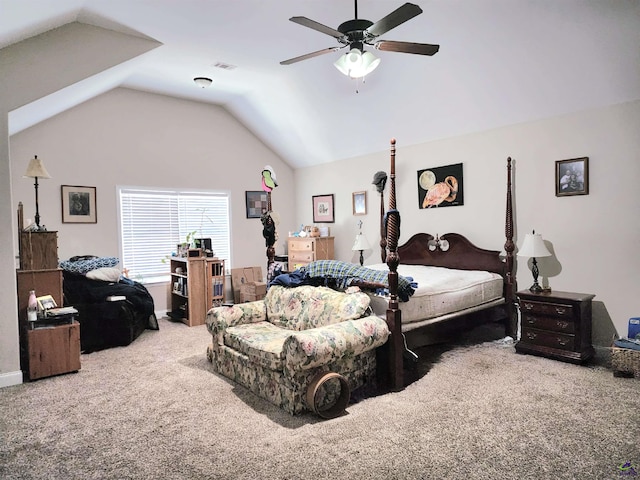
[536, 288]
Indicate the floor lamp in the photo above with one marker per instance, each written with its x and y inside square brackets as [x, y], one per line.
[36, 170]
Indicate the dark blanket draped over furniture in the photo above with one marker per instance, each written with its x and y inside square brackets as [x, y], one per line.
[461, 255]
[103, 323]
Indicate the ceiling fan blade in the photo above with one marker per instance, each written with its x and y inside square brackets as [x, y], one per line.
[407, 47]
[395, 18]
[309, 55]
[306, 22]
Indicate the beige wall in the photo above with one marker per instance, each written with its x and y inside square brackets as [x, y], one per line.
[134, 138]
[126, 137]
[595, 238]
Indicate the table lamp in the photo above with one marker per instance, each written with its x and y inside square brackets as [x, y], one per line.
[360, 245]
[36, 170]
[533, 246]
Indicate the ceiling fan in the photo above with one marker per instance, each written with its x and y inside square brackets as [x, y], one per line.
[357, 33]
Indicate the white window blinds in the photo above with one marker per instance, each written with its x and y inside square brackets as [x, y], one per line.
[153, 222]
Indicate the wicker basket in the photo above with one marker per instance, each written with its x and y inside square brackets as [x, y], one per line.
[625, 362]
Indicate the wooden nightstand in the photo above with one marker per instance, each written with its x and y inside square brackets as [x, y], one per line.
[556, 325]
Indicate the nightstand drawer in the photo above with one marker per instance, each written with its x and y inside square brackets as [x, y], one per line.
[552, 309]
[548, 339]
[548, 323]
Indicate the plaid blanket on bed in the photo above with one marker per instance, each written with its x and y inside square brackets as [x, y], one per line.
[344, 273]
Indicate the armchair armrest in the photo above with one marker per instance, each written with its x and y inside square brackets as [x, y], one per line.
[221, 318]
[322, 345]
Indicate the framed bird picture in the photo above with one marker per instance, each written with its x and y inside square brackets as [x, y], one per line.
[256, 202]
[440, 187]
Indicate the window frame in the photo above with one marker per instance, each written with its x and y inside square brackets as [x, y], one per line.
[177, 195]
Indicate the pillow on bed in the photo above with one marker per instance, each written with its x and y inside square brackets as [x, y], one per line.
[87, 264]
[106, 274]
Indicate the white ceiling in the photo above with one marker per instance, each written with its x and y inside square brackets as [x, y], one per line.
[500, 62]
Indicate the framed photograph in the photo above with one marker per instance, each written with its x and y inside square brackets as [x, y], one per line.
[257, 203]
[440, 187]
[78, 204]
[572, 177]
[46, 302]
[323, 209]
[359, 203]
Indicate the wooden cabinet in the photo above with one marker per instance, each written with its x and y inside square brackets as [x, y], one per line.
[53, 350]
[556, 325]
[197, 284]
[38, 250]
[303, 250]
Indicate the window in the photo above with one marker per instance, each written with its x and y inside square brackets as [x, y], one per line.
[154, 221]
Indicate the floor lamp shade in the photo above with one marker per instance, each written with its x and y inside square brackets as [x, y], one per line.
[36, 170]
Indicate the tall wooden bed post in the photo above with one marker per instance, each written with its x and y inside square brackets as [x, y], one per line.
[394, 316]
[509, 247]
[270, 240]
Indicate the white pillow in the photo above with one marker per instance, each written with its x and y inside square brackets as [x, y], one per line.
[106, 274]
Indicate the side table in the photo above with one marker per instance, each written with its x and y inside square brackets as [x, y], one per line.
[53, 350]
[556, 325]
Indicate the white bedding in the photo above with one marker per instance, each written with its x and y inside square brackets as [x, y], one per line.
[442, 293]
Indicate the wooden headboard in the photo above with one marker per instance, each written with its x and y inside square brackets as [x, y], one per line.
[461, 254]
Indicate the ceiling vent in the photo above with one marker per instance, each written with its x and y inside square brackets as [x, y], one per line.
[224, 66]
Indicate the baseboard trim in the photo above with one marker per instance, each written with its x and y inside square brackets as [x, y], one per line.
[11, 378]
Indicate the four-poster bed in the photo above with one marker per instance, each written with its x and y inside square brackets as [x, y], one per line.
[449, 251]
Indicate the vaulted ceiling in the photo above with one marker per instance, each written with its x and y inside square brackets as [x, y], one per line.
[500, 62]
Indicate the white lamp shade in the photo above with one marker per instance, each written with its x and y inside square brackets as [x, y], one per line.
[36, 169]
[533, 246]
[360, 243]
[355, 64]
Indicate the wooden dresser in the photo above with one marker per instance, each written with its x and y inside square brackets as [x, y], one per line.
[45, 350]
[303, 250]
[556, 325]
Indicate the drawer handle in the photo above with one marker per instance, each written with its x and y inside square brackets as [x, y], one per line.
[561, 310]
[531, 320]
[562, 341]
[528, 306]
[531, 335]
[562, 324]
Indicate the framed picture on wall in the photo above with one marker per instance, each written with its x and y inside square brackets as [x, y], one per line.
[256, 202]
[572, 177]
[78, 204]
[359, 200]
[441, 187]
[323, 209]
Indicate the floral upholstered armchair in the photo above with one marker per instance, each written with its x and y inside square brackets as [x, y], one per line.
[275, 347]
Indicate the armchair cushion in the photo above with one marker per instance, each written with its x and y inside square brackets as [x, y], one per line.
[262, 342]
[309, 307]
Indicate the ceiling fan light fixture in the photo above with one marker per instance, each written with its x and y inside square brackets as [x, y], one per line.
[368, 63]
[354, 58]
[203, 82]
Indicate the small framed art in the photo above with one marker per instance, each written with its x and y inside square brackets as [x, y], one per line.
[78, 204]
[46, 302]
[359, 200]
[572, 177]
[257, 203]
[323, 208]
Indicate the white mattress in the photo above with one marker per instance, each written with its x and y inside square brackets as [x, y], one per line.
[441, 293]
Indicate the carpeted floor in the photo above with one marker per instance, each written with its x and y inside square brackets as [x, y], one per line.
[475, 410]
